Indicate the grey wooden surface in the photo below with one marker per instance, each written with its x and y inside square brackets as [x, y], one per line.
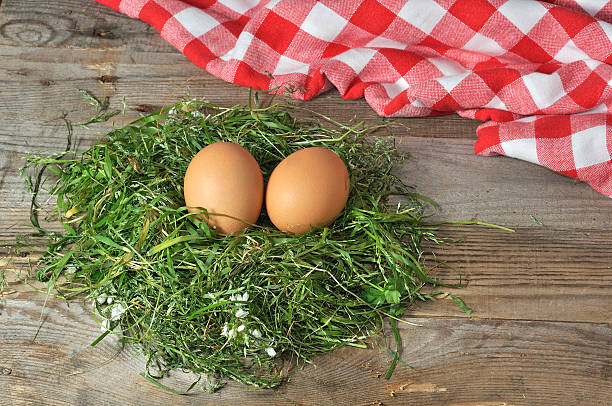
[541, 329]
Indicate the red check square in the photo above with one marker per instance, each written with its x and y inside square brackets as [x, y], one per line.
[198, 53]
[247, 76]
[488, 139]
[435, 45]
[277, 32]
[401, 61]
[447, 103]
[553, 127]
[200, 3]
[531, 51]
[236, 26]
[334, 49]
[498, 78]
[111, 3]
[373, 17]
[571, 21]
[473, 13]
[155, 15]
[588, 93]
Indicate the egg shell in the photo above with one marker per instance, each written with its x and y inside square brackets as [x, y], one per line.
[225, 178]
[307, 189]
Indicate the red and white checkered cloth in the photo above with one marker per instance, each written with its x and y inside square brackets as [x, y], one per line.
[538, 71]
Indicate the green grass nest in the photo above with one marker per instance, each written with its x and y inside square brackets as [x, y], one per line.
[230, 306]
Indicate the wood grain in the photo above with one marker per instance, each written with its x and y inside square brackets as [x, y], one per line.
[74, 24]
[542, 296]
[443, 165]
[452, 361]
[532, 274]
[32, 74]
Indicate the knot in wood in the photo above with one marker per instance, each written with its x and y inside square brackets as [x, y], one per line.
[28, 32]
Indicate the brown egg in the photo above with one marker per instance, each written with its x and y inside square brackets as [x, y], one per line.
[307, 189]
[224, 178]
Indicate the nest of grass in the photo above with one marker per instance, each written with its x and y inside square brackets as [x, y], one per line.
[230, 306]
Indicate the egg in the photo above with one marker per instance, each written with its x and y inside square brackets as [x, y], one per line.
[307, 189]
[224, 178]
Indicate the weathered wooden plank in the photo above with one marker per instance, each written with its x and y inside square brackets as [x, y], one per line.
[74, 24]
[465, 186]
[443, 164]
[452, 361]
[33, 75]
[533, 274]
[558, 274]
[499, 189]
[30, 76]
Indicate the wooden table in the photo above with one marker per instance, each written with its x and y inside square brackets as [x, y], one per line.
[541, 328]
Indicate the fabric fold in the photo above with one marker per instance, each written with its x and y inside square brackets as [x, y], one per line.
[537, 72]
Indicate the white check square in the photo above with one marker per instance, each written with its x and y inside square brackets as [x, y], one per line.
[524, 148]
[484, 45]
[239, 6]
[592, 63]
[393, 89]
[272, 3]
[382, 42]
[240, 48]
[571, 53]
[447, 66]
[356, 58]
[545, 89]
[323, 23]
[523, 13]
[592, 6]
[287, 65]
[496, 103]
[196, 21]
[600, 108]
[417, 103]
[590, 147]
[423, 14]
[607, 29]
[449, 82]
